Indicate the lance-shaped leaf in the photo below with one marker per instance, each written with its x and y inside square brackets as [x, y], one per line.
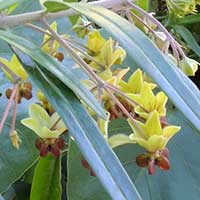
[85, 132]
[143, 52]
[56, 68]
[6, 4]
[46, 183]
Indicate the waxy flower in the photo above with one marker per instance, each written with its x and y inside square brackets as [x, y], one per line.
[150, 134]
[106, 53]
[95, 41]
[149, 102]
[48, 128]
[49, 44]
[15, 66]
[135, 83]
[189, 66]
[42, 124]
[180, 8]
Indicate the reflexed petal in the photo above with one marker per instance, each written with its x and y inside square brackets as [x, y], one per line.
[170, 131]
[136, 81]
[119, 139]
[152, 125]
[32, 124]
[155, 142]
[161, 100]
[95, 41]
[141, 112]
[140, 141]
[47, 133]
[40, 115]
[148, 100]
[138, 129]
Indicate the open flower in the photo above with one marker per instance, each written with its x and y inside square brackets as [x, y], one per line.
[135, 83]
[42, 124]
[149, 102]
[150, 135]
[95, 41]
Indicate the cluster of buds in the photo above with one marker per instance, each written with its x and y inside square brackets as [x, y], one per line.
[180, 8]
[151, 160]
[48, 128]
[25, 91]
[50, 145]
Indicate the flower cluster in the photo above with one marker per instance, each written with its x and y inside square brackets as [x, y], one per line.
[180, 8]
[147, 108]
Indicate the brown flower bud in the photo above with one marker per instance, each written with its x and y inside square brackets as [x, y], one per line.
[163, 163]
[142, 160]
[59, 56]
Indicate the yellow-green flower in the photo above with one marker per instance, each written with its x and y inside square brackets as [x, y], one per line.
[150, 135]
[189, 66]
[15, 66]
[135, 83]
[42, 124]
[50, 45]
[149, 102]
[95, 41]
[180, 8]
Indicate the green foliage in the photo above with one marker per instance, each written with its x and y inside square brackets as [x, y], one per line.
[103, 157]
[47, 179]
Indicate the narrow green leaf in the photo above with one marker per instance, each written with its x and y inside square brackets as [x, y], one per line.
[56, 68]
[189, 38]
[6, 4]
[85, 132]
[55, 6]
[46, 183]
[144, 52]
[143, 4]
[190, 19]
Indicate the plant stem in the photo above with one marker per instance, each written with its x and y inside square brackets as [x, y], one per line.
[14, 111]
[73, 54]
[175, 46]
[9, 71]
[15, 20]
[5, 115]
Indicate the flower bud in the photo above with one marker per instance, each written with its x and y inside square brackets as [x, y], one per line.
[142, 160]
[163, 163]
[15, 139]
[189, 66]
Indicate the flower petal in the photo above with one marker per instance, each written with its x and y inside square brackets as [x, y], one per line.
[32, 124]
[136, 82]
[39, 114]
[152, 125]
[156, 142]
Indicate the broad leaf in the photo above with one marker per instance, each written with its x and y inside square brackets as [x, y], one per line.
[85, 132]
[46, 183]
[59, 70]
[142, 50]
